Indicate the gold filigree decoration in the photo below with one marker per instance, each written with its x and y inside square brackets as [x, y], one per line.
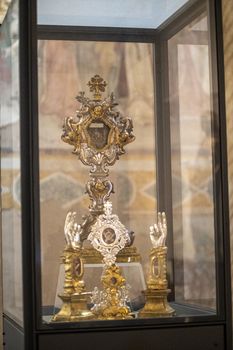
[111, 303]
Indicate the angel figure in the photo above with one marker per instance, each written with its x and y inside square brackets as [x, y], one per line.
[158, 232]
[72, 231]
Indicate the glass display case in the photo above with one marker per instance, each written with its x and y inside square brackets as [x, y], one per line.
[113, 175]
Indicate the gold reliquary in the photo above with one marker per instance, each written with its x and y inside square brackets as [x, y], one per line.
[98, 135]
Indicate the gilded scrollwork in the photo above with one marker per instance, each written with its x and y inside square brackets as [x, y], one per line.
[111, 302]
[99, 191]
[100, 116]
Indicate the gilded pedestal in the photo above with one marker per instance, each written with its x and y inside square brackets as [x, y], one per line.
[113, 306]
[156, 304]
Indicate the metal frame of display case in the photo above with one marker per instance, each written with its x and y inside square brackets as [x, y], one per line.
[175, 333]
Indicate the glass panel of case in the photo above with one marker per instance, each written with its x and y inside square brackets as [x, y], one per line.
[104, 13]
[10, 167]
[192, 141]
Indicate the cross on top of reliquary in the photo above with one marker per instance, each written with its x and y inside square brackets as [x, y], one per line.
[97, 85]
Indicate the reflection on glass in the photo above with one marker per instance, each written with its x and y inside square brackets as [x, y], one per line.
[192, 164]
[65, 67]
[10, 167]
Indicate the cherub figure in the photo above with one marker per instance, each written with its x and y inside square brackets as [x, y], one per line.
[158, 232]
[72, 231]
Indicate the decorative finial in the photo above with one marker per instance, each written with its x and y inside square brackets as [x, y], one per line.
[97, 85]
[108, 209]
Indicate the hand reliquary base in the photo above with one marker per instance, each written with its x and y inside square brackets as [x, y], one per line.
[156, 304]
[74, 308]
